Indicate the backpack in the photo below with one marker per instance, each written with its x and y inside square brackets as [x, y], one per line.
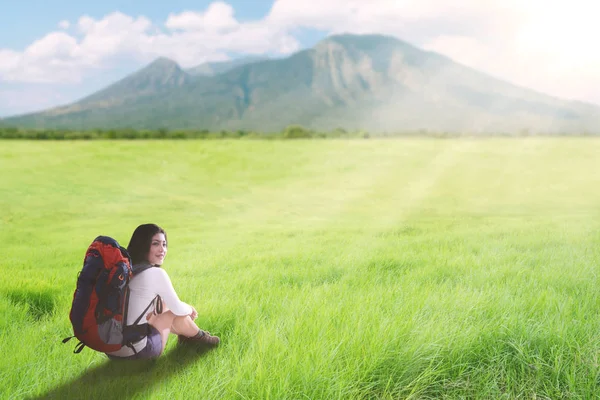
[98, 312]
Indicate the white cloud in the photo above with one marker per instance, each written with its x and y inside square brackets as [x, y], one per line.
[409, 19]
[113, 24]
[114, 35]
[54, 45]
[9, 60]
[218, 17]
[64, 24]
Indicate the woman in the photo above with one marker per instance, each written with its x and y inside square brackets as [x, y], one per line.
[151, 289]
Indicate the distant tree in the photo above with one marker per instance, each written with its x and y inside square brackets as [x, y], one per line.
[128, 133]
[296, 132]
[339, 131]
[178, 135]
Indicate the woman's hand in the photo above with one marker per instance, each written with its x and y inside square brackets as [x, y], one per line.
[150, 317]
[194, 313]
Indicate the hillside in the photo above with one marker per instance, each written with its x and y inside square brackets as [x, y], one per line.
[370, 82]
[215, 68]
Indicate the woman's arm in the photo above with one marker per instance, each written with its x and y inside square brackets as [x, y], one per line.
[165, 289]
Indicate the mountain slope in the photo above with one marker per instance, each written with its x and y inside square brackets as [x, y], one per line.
[370, 82]
[215, 68]
[157, 79]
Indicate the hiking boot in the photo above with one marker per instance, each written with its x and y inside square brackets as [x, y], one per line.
[202, 338]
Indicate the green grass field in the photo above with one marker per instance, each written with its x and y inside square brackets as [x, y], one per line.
[331, 269]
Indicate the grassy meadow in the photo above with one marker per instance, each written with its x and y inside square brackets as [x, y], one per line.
[331, 269]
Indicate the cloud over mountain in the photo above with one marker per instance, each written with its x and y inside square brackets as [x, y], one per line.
[548, 46]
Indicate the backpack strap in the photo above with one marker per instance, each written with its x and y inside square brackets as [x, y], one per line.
[139, 268]
[78, 347]
[136, 331]
[158, 300]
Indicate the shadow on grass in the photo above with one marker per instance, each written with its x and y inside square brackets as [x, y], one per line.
[124, 379]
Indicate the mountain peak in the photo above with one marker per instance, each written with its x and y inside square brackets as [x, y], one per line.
[160, 75]
[362, 41]
[160, 61]
[163, 64]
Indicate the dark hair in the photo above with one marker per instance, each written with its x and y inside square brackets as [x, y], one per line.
[141, 240]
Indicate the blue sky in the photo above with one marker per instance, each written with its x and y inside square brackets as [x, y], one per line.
[55, 52]
[19, 26]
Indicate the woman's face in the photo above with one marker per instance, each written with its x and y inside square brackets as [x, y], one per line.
[158, 249]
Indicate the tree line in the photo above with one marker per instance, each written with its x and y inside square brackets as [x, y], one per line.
[290, 132]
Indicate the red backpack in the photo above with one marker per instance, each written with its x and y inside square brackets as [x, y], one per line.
[99, 308]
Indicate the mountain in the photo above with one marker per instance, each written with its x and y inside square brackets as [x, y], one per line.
[159, 77]
[371, 82]
[215, 68]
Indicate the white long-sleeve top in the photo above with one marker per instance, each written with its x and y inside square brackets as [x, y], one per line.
[144, 287]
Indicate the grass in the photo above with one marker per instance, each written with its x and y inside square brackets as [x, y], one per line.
[382, 269]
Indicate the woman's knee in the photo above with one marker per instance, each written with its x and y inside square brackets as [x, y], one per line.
[163, 320]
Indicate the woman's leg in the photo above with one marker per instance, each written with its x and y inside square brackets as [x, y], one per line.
[188, 331]
[182, 325]
[162, 323]
[168, 322]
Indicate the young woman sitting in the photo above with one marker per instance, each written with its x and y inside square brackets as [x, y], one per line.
[152, 290]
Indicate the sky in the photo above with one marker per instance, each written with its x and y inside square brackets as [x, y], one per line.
[53, 52]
